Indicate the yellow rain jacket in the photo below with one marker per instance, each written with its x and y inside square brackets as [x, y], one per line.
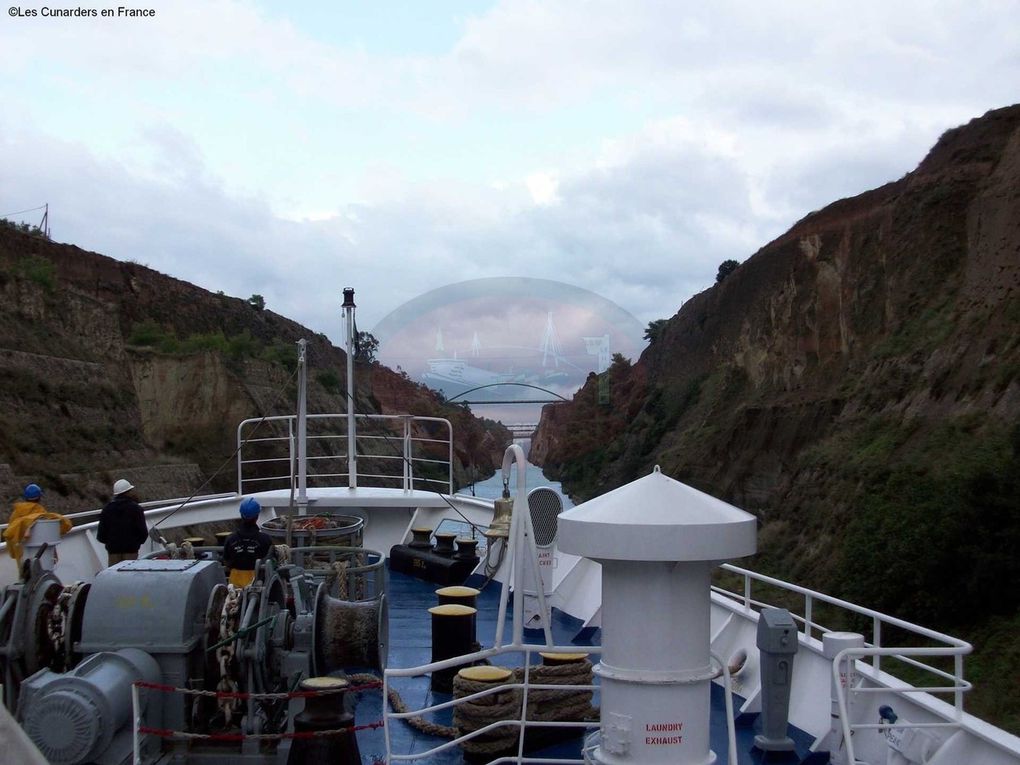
[240, 577]
[23, 516]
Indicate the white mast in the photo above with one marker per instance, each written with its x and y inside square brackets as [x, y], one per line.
[352, 443]
[302, 430]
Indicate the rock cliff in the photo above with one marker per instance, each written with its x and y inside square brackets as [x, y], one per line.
[855, 384]
[110, 369]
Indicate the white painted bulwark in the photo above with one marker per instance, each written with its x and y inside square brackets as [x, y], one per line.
[657, 541]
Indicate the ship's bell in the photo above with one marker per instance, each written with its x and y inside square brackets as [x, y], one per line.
[503, 509]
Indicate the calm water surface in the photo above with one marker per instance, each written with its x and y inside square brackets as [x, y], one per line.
[492, 488]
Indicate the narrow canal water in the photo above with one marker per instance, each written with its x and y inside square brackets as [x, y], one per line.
[492, 488]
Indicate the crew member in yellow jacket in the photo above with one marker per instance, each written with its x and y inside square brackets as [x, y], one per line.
[26, 512]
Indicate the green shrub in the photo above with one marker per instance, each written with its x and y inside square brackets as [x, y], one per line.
[329, 380]
[38, 270]
[235, 348]
[284, 354]
[201, 342]
[935, 539]
[147, 333]
[243, 345]
[24, 228]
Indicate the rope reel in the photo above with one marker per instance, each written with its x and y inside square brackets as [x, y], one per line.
[349, 633]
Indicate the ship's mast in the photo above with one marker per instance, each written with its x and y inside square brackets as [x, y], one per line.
[352, 444]
[302, 429]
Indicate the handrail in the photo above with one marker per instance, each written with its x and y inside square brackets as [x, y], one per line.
[960, 687]
[154, 504]
[878, 619]
[950, 646]
[402, 437]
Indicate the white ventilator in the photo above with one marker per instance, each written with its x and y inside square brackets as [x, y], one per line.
[658, 541]
[544, 507]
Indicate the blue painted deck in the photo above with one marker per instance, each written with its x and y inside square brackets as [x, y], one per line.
[410, 645]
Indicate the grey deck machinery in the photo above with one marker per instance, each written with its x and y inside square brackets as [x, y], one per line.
[70, 655]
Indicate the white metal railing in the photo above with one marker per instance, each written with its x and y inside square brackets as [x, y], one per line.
[403, 454]
[948, 646]
[88, 515]
[521, 722]
[844, 657]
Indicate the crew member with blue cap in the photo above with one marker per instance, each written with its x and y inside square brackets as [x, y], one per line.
[24, 513]
[246, 545]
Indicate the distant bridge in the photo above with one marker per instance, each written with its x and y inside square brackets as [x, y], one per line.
[521, 401]
[522, 429]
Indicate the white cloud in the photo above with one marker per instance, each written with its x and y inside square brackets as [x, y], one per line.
[627, 147]
[543, 187]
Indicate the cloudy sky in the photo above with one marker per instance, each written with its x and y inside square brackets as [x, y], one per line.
[626, 147]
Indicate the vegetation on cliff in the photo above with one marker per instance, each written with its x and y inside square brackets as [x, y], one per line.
[110, 369]
[856, 385]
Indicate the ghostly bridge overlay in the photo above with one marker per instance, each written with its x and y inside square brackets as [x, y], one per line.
[507, 340]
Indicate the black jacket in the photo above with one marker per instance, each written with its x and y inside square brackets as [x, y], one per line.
[122, 526]
[245, 546]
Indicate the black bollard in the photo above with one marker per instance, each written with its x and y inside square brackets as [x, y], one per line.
[321, 713]
[421, 538]
[462, 596]
[453, 628]
[466, 549]
[444, 544]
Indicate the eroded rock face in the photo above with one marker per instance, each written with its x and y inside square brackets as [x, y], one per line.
[836, 354]
[80, 405]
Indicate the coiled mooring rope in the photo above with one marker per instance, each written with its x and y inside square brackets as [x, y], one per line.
[544, 705]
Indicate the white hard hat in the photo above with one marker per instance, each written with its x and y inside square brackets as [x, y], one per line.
[122, 486]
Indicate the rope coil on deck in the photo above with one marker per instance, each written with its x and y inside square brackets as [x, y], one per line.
[544, 705]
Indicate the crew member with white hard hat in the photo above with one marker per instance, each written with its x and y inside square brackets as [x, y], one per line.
[122, 524]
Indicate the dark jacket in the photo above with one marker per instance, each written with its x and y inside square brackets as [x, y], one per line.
[245, 546]
[122, 526]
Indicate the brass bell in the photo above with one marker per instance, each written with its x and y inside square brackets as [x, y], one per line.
[503, 509]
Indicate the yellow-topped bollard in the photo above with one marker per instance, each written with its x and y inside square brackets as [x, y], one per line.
[475, 714]
[458, 594]
[486, 674]
[453, 631]
[559, 659]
